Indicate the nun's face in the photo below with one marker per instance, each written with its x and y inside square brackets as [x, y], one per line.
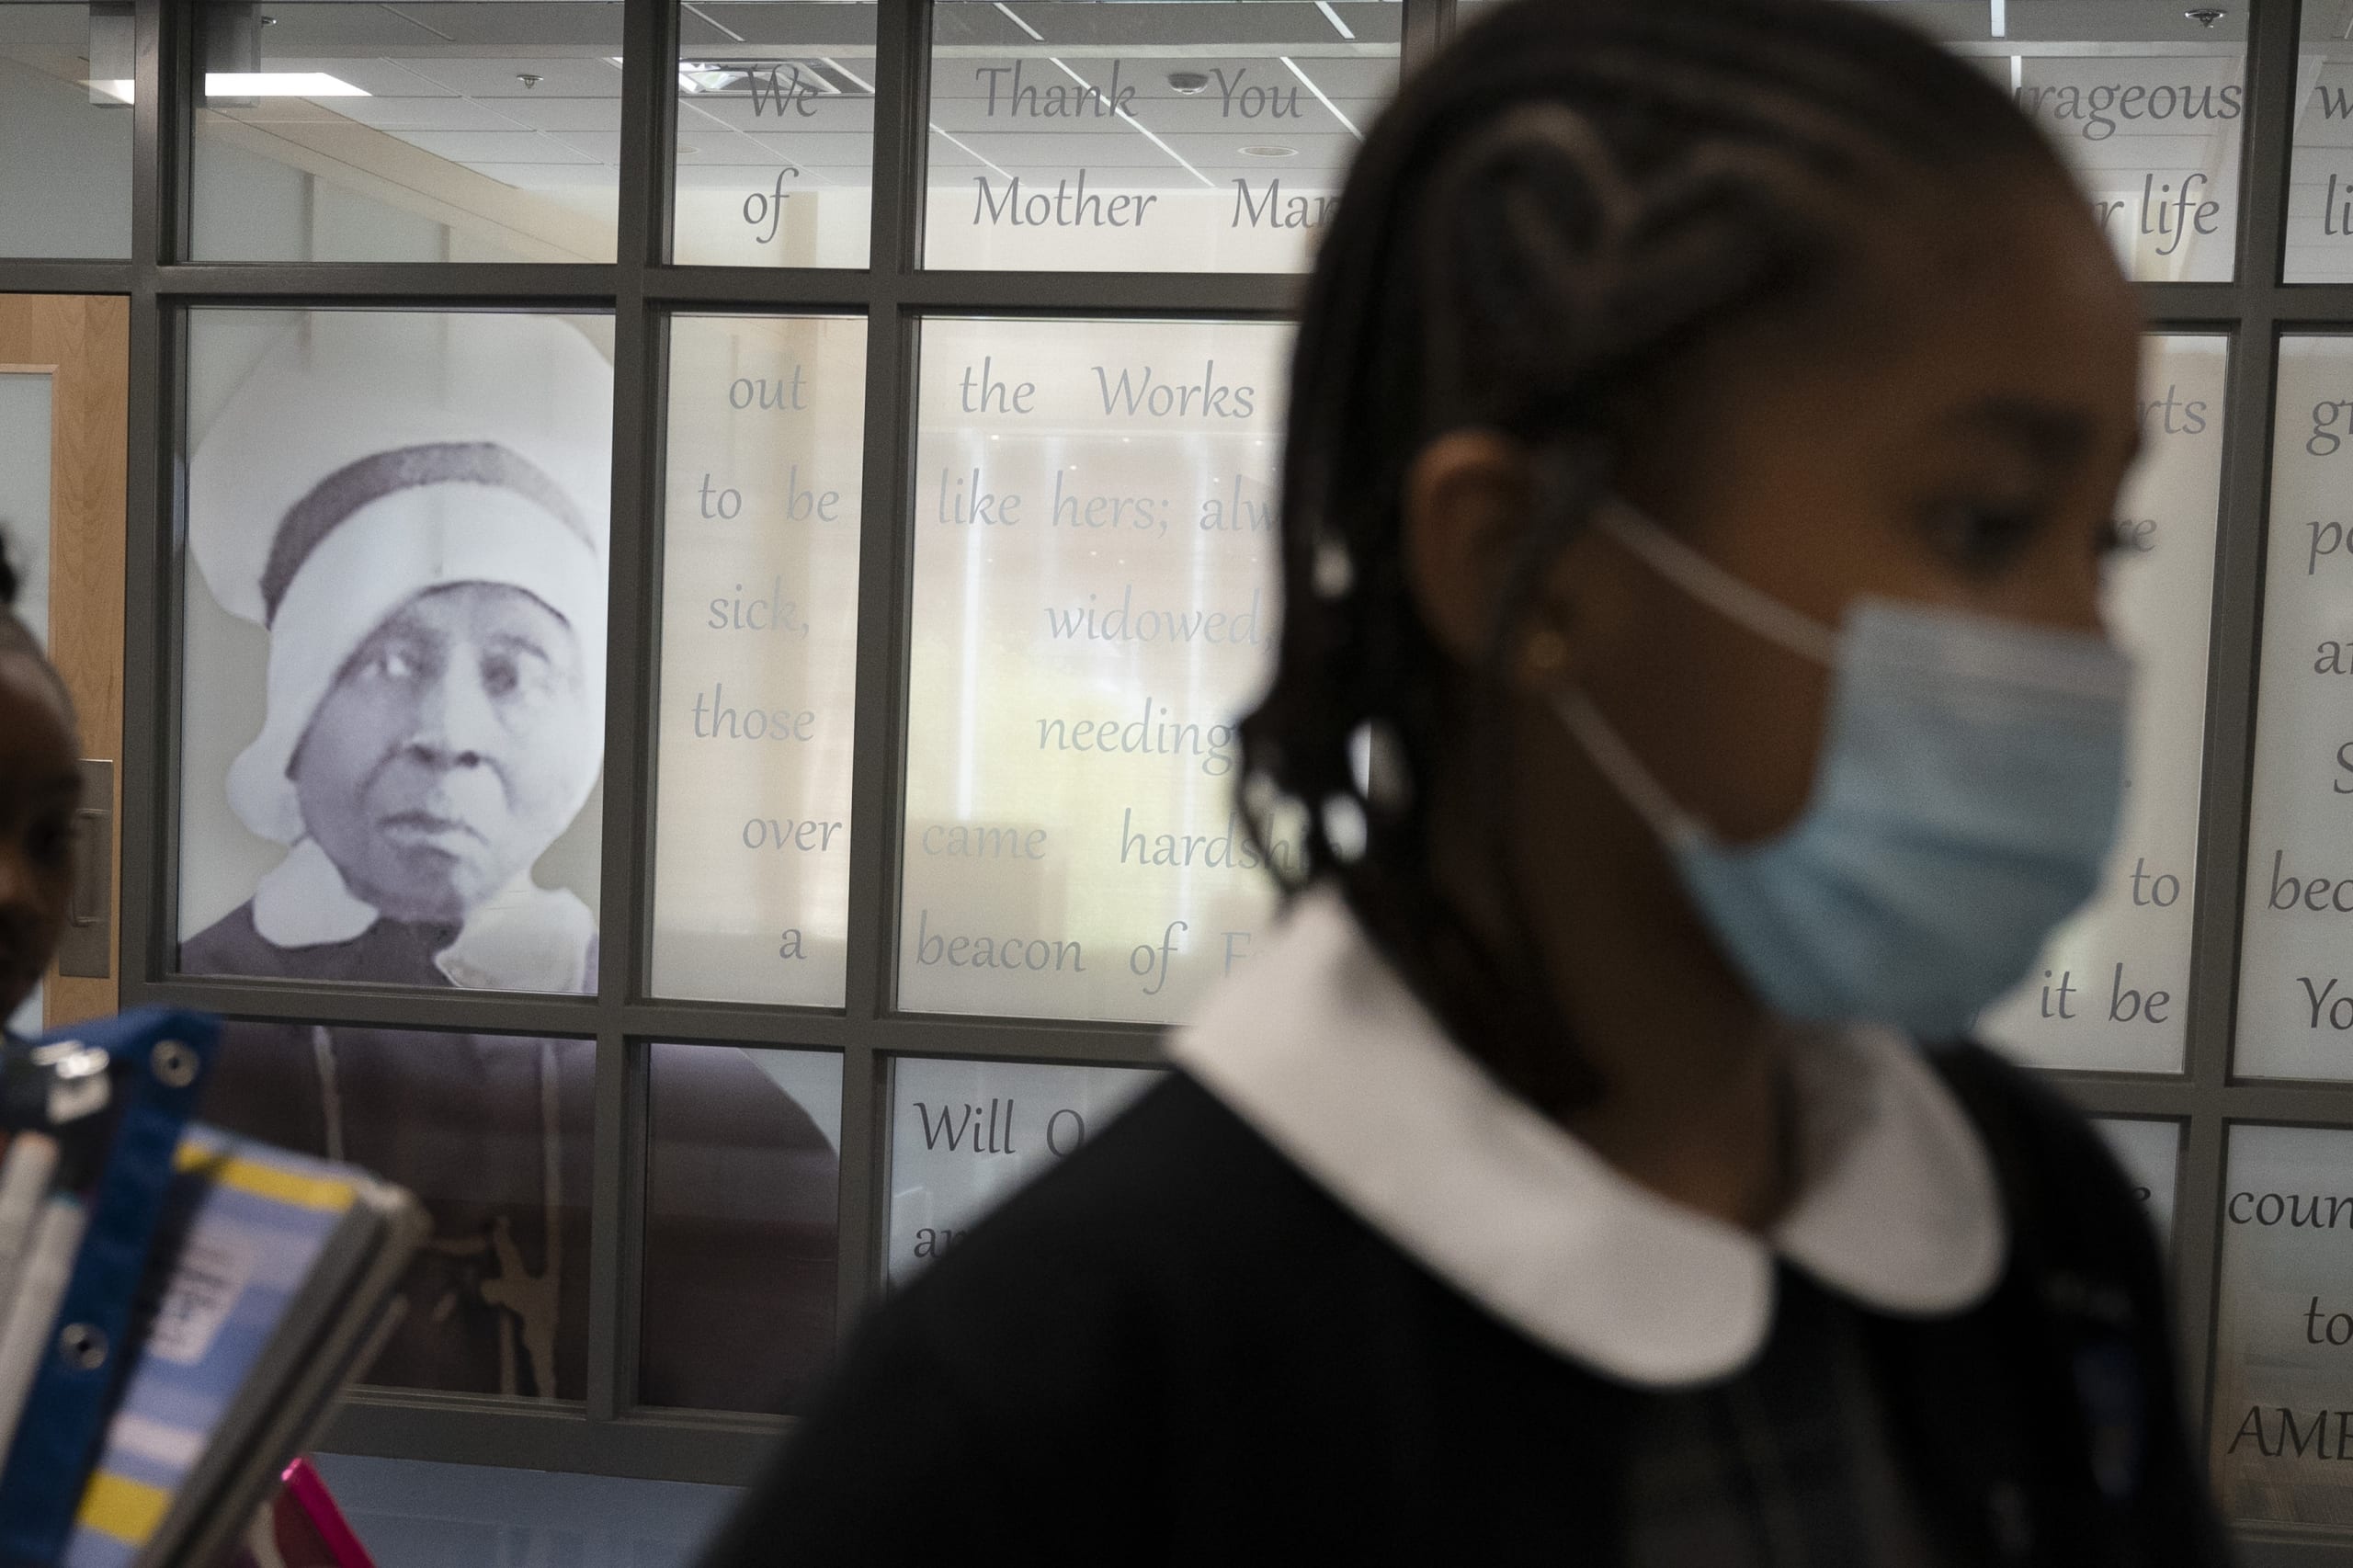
[454, 747]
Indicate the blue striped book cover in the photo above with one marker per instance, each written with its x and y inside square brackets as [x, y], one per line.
[252, 1224]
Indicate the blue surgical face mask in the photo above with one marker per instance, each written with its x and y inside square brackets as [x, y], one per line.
[1963, 802]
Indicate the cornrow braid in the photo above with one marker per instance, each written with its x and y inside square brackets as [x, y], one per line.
[1549, 218]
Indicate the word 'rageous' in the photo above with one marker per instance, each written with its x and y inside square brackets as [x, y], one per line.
[2097, 111]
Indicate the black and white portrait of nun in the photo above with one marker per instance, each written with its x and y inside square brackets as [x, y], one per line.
[414, 507]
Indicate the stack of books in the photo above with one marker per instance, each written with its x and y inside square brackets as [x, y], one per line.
[178, 1308]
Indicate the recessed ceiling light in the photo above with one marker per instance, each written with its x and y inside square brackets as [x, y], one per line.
[278, 85]
[1270, 152]
[249, 84]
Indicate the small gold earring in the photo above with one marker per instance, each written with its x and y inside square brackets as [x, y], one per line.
[1545, 652]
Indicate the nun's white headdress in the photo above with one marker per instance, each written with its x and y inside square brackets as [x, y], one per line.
[374, 456]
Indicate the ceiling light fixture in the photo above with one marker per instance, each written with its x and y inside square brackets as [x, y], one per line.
[1270, 152]
[245, 84]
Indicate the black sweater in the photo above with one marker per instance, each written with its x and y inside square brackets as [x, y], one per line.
[1176, 1348]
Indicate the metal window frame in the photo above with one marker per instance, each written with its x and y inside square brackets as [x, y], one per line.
[607, 1434]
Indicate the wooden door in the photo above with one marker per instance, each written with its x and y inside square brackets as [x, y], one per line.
[81, 345]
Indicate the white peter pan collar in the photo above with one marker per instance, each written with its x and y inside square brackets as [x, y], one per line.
[1320, 1046]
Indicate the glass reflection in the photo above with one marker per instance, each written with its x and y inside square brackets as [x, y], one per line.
[66, 123]
[431, 130]
[741, 1225]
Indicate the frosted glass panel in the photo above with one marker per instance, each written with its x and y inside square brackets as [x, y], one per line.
[965, 1134]
[2296, 925]
[1094, 605]
[393, 692]
[759, 658]
[2110, 989]
[776, 133]
[2283, 1348]
[2150, 1153]
[1149, 136]
[2320, 181]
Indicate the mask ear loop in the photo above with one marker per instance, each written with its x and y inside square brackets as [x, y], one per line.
[1740, 602]
[1676, 827]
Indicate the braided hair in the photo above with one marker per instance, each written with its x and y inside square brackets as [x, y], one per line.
[1538, 231]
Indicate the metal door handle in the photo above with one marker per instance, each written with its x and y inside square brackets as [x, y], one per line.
[86, 953]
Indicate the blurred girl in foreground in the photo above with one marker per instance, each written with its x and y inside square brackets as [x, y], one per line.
[1693, 695]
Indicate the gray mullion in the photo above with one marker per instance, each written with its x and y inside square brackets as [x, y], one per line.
[1147, 294]
[2191, 307]
[901, 78]
[521, 1013]
[446, 1009]
[627, 1196]
[884, 561]
[1428, 25]
[1008, 1039]
[609, 1378]
[452, 283]
[2303, 1102]
[2234, 636]
[40, 277]
[863, 1183]
[748, 288]
[617, 1247]
[148, 655]
[2322, 305]
[1142, 294]
[2111, 1093]
[654, 1445]
[2234, 643]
